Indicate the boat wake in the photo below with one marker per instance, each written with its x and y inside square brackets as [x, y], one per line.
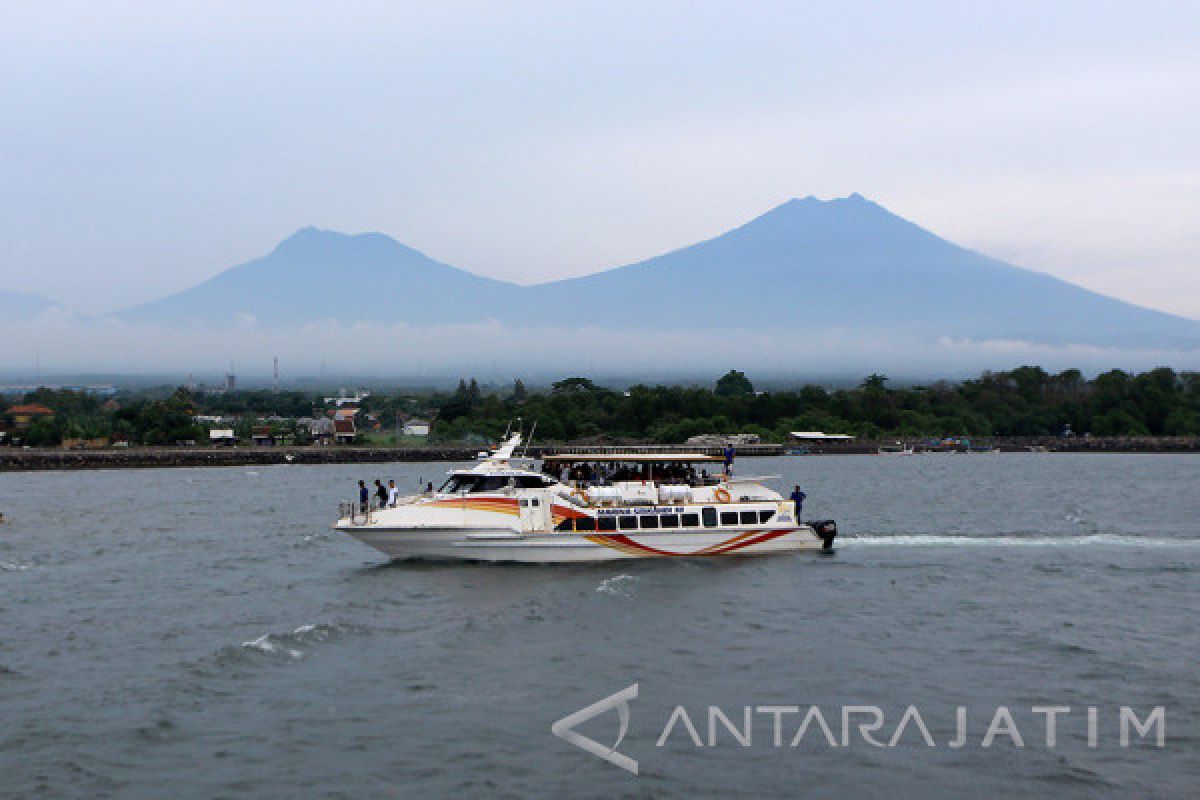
[1013, 540]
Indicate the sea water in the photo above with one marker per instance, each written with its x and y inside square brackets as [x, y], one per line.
[204, 633]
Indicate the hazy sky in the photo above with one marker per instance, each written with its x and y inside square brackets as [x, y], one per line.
[147, 146]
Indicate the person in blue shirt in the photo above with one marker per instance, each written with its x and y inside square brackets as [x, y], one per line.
[729, 453]
[364, 496]
[798, 501]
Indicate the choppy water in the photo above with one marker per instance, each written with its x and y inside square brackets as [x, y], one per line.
[202, 633]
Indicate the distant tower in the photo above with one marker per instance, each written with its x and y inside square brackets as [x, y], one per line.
[275, 382]
[230, 378]
[190, 384]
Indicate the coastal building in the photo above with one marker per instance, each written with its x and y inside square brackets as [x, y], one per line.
[24, 415]
[416, 427]
[262, 436]
[820, 436]
[79, 443]
[344, 431]
[321, 431]
[223, 436]
[345, 397]
[722, 439]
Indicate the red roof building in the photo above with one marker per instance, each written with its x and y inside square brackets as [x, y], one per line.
[343, 430]
[23, 415]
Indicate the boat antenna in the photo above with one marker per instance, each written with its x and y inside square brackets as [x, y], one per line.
[532, 431]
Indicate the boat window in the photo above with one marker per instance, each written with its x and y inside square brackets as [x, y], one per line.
[649, 522]
[524, 502]
[628, 523]
[531, 482]
[534, 502]
[585, 524]
[710, 517]
[691, 520]
[729, 518]
[565, 525]
[749, 517]
[669, 520]
[763, 516]
[489, 483]
[606, 524]
[457, 483]
[474, 483]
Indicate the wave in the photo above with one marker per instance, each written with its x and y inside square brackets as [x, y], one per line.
[8, 566]
[613, 585]
[1013, 540]
[286, 646]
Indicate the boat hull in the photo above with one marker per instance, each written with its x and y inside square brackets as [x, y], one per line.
[506, 545]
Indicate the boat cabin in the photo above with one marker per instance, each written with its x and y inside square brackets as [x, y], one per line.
[604, 469]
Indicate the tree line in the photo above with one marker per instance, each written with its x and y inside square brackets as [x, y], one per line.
[1027, 401]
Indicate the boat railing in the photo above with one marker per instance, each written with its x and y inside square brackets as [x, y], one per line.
[349, 509]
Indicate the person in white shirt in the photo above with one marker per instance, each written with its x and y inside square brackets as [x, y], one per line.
[393, 494]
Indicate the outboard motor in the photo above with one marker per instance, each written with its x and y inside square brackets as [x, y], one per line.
[827, 530]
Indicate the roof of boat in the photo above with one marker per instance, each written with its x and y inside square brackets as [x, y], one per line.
[655, 457]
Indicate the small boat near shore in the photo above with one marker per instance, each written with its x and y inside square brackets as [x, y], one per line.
[588, 507]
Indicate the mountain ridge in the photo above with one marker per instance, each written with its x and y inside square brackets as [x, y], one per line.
[23, 305]
[846, 263]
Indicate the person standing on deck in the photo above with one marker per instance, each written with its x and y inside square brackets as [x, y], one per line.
[393, 494]
[364, 497]
[729, 452]
[381, 494]
[798, 501]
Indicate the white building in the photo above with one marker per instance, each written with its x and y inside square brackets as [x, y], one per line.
[222, 436]
[345, 397]
[416, 427]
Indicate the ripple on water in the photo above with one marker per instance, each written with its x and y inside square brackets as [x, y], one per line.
[620, 585]
[281, 647]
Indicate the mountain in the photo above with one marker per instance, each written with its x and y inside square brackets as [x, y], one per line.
[19, 305]
[850, 264]
[317, 274]
[807, 266]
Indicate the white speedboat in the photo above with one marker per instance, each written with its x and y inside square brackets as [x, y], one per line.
[587, 507]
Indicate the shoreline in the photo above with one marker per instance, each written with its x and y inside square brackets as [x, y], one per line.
[41, 459]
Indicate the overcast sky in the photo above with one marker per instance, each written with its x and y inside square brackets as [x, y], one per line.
[146, 147]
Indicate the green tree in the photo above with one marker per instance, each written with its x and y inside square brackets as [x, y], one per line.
[573, 385]
[875, 381]
[734, 384]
